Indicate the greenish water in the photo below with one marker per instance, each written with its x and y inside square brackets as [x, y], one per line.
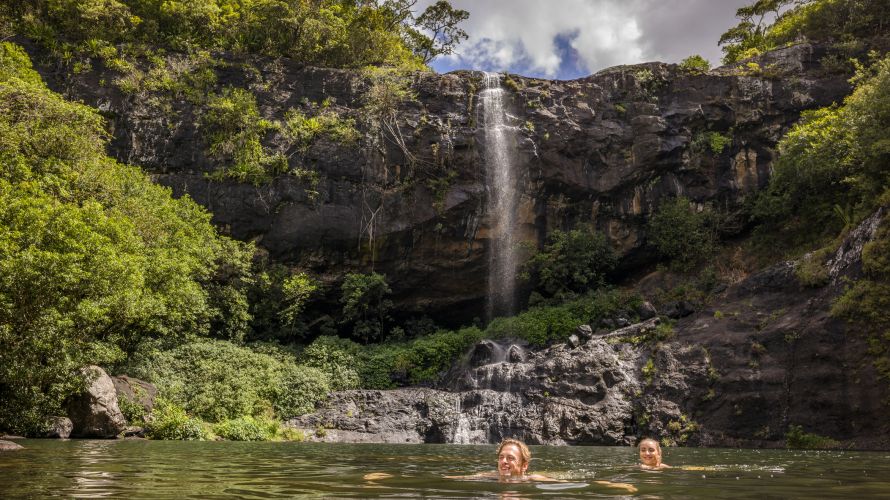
[171, 469]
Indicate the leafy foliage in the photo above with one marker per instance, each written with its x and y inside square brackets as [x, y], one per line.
[798, 439]
[571, 262]
[682, 233]
[332, 33]
[94, 257]
[366, 305]
[832, 169]
[217, 380]
[695, 64]
[247, 428]
[170, 421]
[836, 21]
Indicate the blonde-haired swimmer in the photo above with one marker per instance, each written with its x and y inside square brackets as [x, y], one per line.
[650, 455]
[513, 459]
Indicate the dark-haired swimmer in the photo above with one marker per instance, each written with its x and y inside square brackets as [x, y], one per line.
[650, 455]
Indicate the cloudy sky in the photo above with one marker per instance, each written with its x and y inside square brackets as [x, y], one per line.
[566, 39]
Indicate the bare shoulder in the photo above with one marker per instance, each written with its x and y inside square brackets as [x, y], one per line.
[623, 486]
[541, 477]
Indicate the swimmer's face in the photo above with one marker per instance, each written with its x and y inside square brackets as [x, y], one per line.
[510, 461]
[650, 453]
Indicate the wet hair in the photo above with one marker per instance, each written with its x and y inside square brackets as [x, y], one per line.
[523, 449]
[643, 440]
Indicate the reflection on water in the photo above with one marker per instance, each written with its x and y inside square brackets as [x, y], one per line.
[140, 469]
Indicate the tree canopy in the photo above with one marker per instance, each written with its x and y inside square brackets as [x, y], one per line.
[94, 257]
[767, 24]
[333, 33]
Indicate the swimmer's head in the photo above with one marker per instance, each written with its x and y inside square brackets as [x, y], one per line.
[650, 452]
[513, 458]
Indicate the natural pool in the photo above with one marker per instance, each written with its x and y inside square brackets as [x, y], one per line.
[175, 469]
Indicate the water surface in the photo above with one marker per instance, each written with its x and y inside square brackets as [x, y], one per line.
[168, 469]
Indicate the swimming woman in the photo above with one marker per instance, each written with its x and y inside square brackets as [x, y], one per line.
[513, 459]
[650, 455]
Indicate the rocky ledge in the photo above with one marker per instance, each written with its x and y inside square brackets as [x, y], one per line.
[763, 356]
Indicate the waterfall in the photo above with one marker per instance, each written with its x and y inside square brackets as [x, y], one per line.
[502, 199]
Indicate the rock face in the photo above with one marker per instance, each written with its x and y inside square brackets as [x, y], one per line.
[58, 427]
[763, 356]
[135, 391]
[603, 149]
[561, 395]
[95, 411]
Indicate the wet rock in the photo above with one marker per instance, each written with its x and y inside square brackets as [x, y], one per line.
[679, 309]
[556, 396]
[584, 331]
[515, 354]
[646, 311]
[10, 446]
[95, 412]
[134, 431]
[483, 353]
[58, 427]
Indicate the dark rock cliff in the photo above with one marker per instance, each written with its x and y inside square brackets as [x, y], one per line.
[764, 356]
[410, 203]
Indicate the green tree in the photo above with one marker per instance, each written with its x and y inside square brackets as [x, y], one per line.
[682, 233]
[695, 64]
[571, 262]
[749, 37]
[831, 164]
[94, 257]
[440, 20]
[366, 305]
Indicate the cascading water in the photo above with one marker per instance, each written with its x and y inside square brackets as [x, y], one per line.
[502, 199]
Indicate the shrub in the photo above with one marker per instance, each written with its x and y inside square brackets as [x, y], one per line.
[170, 421]
[682, 234]
[573, 261]
[217, 380]
[695, 64]
[715, 142]
[336, 358]
[832, 169]
[133, 411]
[233, 128]
[366, 305]
[300, 388]
[247, 429]
[434, 354]
[797, 438]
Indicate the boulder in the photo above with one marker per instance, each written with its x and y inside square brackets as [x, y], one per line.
[135, 391]
[646, 311]
[680, 309]
[10, 446]
[95, 412]
[584, 331]
[58, 427]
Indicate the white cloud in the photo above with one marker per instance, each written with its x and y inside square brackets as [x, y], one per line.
[507, 34]
[524, 36]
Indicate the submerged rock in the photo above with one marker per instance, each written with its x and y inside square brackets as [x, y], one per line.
[10, 446]
[95, 412]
